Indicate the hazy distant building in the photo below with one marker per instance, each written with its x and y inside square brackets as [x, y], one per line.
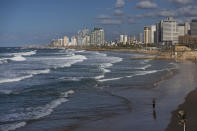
[66, 41]
[61, 42]
[121, 38]
[140, 37]
[124, 39]
[147, 34]
[188, 40]
[152, 33]
[73, 41]
[81, 37]
[187, 28]
[181, 29]
[167, 31]
[97, 37]
[54, 43]
[87, 40]
[194, 27]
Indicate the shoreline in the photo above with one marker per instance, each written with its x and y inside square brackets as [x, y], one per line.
[152, 54]
[188, 105]
[172, 90]
[169, 87]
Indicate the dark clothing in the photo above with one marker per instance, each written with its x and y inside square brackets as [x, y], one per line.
[153, 103]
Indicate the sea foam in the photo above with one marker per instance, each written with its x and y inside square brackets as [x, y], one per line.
[30, 74]
[110, 79]
[144, 67]
[11, 127]
[17, 56]
[29, 53]
[71, 60]
[33, 113]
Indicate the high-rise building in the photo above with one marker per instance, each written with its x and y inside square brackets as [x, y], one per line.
[152, 33]
[140, 37]
[81, 37]
[147, 34]
[61, 42]
[158, 32]
[66, 41]
[97, 37]
[167, 31]
[181, 29]
[121, 38]
[125, 40]
[194, 27]
[73, 41]
[187, 28]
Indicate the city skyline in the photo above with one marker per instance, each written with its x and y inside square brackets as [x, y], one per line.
[35, 22]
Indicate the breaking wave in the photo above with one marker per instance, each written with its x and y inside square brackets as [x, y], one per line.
[11, 127]
[144, 67]
[31, 74]
[110, 79]
[33, 113]
[17, 56]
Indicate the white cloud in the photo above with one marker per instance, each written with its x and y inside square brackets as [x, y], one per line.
[118, 12]
[188, 11]
[120, 4]
[132, 21]
[166, 13]
[159, 13]
[110, 22]
[102, 16]
[146, 4]
[181, 2]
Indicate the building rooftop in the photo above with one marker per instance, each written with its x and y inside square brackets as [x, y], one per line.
[195, 20]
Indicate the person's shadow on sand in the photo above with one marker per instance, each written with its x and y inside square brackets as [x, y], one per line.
[154, 114]
[154, 111]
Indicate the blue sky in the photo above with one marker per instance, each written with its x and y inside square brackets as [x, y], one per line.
[27, 22]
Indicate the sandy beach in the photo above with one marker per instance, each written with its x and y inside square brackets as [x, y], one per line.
[190, 107]
[169, 93]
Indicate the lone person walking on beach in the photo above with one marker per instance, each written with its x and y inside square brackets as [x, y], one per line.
[153, 102]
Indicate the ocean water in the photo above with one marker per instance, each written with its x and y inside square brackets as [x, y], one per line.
[57, 89]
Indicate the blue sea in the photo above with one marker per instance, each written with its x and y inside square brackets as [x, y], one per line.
[67, 89]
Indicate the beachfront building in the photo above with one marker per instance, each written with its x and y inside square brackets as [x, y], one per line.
[167, 31]
[147, 34]
[188, 40]
[123, 39]
[140, 37]
[152, 33]
[187, 28]
[194, 27]
[181, 29]
[81, 37]
[57, 43]
[73, 41]
[54, 43]
[61, 42]
[66, 41]
[97, 37]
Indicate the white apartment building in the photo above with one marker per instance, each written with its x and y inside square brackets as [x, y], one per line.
[167, 31]
[66, 41]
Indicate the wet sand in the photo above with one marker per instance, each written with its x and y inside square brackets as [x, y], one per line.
[190, 107]
[169, 94]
